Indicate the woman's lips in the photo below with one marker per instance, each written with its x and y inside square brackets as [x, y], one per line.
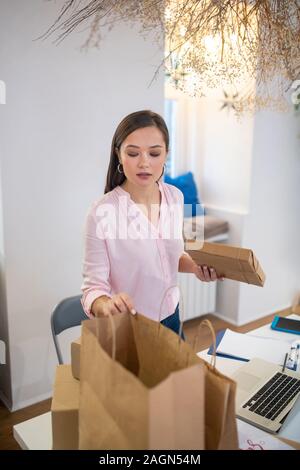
[143, 175]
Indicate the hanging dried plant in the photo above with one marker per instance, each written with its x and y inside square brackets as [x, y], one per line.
[214, 43]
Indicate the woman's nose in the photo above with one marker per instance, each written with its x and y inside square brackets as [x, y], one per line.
[144, 158]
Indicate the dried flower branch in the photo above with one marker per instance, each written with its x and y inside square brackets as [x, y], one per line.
[212, 42]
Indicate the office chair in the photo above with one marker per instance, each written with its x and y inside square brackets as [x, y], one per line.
[66, 314]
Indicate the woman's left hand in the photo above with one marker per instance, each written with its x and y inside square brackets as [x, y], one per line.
[207, 273]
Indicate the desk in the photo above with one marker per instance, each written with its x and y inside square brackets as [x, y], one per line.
[36, 433]
[290, 429]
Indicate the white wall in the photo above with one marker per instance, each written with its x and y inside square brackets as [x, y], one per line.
[227, 156]
[225, 182]
[248, 172]
[62, 108]
[189, 133]
[251, 178]
[216, 147]
[272, 227]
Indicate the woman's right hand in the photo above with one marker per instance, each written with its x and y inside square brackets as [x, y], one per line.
[118, 303]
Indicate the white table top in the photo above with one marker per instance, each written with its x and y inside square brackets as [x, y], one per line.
[35, 433]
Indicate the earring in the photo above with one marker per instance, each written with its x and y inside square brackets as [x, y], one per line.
[118, 168]
[164, 167]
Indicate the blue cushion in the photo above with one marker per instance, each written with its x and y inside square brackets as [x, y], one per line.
[186, 184]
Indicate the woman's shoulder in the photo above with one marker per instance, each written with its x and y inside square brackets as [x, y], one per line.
[108, 198]
[172, 192]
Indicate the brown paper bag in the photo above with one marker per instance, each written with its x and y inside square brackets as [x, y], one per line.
[156, 393]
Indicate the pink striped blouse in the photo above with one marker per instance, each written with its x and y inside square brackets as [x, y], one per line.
[125, 252]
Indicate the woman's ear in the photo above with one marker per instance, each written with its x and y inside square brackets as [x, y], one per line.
[166, 157]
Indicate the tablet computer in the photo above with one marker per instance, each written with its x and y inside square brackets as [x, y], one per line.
[288, 325]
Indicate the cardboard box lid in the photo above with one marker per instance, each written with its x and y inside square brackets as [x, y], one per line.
[66, 390]
[232, 262]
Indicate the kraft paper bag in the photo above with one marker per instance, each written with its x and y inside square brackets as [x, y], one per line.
[142, 387]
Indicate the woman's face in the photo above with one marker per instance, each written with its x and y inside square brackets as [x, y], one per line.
[143, 154]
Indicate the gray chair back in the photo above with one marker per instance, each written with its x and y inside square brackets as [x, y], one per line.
[66, 314]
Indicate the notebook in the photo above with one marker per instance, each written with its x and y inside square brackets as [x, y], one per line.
[219, 337]
[245, 347]
[265, 393]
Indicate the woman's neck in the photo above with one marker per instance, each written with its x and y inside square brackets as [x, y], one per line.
[140, 195]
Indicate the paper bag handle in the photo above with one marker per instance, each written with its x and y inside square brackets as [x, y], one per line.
[203, 323]
[208, 323]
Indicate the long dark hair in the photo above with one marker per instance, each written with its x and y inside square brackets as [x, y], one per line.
[129, 124]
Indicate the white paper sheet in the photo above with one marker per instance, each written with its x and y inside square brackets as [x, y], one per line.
[248, 347]
[252, 438]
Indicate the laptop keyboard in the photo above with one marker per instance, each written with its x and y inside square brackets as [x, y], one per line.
[270, 400]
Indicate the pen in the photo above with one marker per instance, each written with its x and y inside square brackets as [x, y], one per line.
[285, 359]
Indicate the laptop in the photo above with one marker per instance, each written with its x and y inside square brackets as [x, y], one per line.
[265, 394]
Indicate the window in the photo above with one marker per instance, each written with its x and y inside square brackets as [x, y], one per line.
[171, 121]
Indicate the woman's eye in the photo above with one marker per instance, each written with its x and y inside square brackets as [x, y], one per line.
[131, 154]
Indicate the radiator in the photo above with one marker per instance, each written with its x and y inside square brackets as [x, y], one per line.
[198, 298]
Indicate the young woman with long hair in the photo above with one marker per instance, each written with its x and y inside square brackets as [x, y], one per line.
[134, 245]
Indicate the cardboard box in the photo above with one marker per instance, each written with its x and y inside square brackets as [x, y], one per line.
[238, 264]
[75, 358]
[64, 409]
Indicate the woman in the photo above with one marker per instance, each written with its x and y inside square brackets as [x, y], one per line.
[132, 253]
